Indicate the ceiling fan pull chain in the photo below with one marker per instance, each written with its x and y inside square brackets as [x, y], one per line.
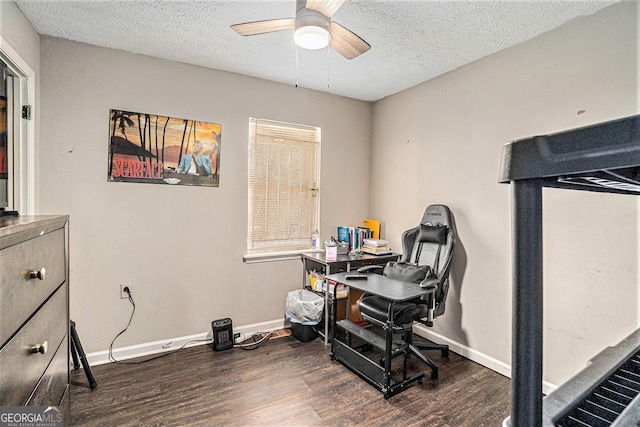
[297, 50]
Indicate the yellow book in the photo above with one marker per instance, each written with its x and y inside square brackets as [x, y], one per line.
[373, 225]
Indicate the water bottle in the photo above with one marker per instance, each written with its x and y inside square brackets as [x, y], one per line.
[314, 239]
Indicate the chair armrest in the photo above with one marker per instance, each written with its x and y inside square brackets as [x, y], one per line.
[368, 268]
[430, 283]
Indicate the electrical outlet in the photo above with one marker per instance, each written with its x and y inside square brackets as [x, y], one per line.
[123, 293]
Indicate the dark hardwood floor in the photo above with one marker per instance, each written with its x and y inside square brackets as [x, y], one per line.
[282, 383]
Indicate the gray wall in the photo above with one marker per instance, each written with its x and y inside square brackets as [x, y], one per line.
[181, 247]
[441, 141]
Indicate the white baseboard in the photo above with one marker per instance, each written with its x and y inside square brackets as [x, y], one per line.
[171, 344]
[474, 355]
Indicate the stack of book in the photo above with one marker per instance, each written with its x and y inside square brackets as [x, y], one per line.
[354, 236]
[376, 247]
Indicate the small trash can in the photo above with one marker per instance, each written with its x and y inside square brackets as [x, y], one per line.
[303, 333]
[303, 310]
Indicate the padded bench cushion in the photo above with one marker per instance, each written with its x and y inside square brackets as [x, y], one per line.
[376, 307]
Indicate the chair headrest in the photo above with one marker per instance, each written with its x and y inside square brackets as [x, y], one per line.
[433, 234]
[437, 214]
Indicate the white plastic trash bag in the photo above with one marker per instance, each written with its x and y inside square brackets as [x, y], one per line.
[303, 307]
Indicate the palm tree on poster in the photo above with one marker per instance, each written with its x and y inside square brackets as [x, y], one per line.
[184, 134]
[147, 125]
[142, 131]
[164, 132]
[156, 138]
[121, 120]
[192, 131]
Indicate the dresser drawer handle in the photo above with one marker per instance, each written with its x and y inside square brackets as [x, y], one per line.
[40, 348]
[38, 274]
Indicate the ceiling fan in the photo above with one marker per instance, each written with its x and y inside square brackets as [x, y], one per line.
[314, 28]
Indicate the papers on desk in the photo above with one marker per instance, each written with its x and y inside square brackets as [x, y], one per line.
[376, 247]
[376, 243]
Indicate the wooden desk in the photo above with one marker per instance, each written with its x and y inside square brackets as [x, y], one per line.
[318, 261]
[369, 370]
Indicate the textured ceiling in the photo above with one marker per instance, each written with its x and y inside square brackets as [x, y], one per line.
[412, 41]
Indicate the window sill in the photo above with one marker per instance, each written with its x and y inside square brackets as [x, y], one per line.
[277, 256]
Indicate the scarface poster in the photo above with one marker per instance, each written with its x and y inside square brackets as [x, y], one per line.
[146, 148]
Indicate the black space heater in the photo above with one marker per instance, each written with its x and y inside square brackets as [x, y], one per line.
[222, 334]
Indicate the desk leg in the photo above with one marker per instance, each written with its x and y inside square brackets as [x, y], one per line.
[334, 322]
[346, 310]
[305, 274]
[388, 351]
[326, 306]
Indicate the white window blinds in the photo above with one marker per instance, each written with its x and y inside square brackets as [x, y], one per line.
[283, 186]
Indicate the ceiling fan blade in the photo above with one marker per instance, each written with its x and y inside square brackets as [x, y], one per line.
[261, 27]
[347, 43]
[325, 7]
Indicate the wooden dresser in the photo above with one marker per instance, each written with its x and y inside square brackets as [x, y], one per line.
[34, 311]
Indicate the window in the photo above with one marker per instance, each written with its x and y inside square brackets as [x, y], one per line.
[283, 186]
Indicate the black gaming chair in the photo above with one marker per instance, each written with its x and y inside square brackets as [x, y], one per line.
[431, 243]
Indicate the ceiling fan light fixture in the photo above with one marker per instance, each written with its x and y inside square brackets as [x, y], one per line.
[311, 37]
[312, 28]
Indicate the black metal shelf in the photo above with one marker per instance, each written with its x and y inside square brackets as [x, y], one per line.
[602, 158]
